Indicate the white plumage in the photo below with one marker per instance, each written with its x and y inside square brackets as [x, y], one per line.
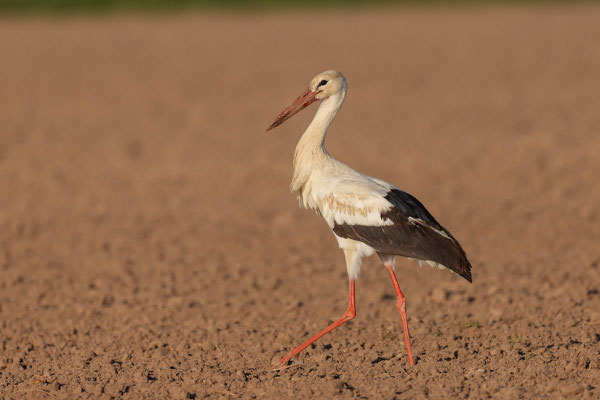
[366, 214]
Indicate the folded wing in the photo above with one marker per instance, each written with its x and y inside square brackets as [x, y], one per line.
[393, 222]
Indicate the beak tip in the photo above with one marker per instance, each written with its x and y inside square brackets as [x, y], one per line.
[300, 103]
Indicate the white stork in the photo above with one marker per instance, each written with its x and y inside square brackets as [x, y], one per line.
[366, 215]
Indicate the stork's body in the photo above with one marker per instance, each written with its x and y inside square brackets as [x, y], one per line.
[366, 215]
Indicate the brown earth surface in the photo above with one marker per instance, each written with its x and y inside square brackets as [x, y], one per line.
[150, 248]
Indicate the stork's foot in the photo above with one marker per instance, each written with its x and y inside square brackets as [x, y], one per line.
[348, 315]
[285, 359]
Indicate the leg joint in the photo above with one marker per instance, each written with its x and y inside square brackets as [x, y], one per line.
[349, 314]
[401, 303]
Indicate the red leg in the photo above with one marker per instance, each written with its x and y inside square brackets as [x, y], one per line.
[348, 315]
[401, 306]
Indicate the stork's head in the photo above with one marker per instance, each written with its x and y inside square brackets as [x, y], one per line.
[322, 86]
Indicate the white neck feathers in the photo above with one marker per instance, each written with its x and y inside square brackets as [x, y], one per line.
[310, 152]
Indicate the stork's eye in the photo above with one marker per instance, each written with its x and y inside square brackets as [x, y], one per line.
[323, 82]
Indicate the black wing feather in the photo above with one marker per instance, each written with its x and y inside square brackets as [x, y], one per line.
[416, 239]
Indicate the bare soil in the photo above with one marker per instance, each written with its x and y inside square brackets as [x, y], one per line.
[150, 248]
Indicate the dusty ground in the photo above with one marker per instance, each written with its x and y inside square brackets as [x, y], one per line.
[149, 246]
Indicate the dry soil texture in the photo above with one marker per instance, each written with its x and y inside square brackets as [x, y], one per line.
[150, 248]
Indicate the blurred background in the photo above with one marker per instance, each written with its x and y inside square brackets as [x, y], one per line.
[149, 245]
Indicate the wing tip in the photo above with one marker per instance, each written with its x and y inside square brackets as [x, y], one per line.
[467, 276]
[465, 271]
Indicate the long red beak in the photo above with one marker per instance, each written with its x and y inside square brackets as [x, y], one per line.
[305, 99]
